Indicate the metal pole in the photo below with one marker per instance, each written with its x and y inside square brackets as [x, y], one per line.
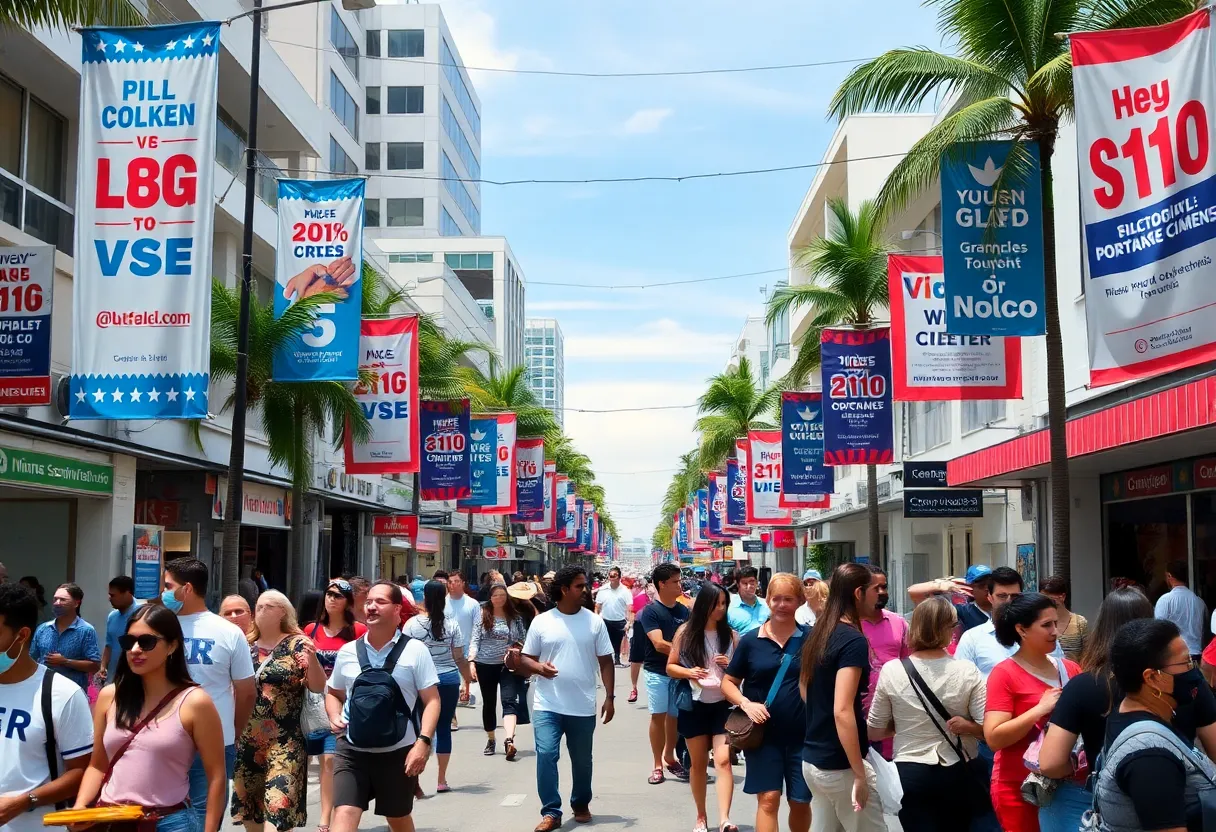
[236, 458]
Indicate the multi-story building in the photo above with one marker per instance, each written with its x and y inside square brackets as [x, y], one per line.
[544, 356]
[752, 344]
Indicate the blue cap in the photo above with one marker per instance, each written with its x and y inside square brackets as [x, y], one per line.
[812, 573]
[979, 570]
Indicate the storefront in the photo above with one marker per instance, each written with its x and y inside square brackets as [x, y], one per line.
[265, 524]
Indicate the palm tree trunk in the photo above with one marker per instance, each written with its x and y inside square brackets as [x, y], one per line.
[230, 554]
[299, 571]
[1057, 405]
[416, 507]
[872, 513]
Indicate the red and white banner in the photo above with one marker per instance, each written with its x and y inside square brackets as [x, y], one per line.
[927, 363]
[396, 525]
[1145, 102]
[548, 525]
[764, 479]
[389, 349]
[560, 500]
[504, 471]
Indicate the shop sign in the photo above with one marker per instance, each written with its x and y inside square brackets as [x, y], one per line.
[262, 505]
[944, 502]
[1147, 482]
[925, 475]
[783, 538]
[395, 525]
[336, 479]
[21, 467]
[753, 547]
[495, 553]
[1205, 472]
[428, 540]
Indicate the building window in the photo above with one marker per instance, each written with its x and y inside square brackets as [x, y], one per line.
[460, 193]
[448, 227]
[404, 100]
[406, 43]
[373, 101]
[45, 166]
[343, 105]
[483, 261]
[412, 257]
[977, 414]
[10, 127]
[343, 41]
[405, 156]
[339, 162]
[455, 133]
[928, 425]
[371, 213]
[404, 212]
[373, 43]
[371, 156]
[35, 185]
[451, 70]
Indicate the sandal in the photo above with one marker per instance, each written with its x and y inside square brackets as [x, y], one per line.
[727, 826]
[633, 695]
[508, 746]
[700, 827]
[677, 771]
[444, 788]
[656, 777]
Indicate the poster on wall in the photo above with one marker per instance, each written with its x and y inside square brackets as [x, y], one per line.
[1145, 100]
[805, 481]
[141, 291]
[929, 364]
[857, 420]
[445, 457]
[147, 560]
[1028, 566]
[530, 480]
[764, 479]
[388, 348]
[320, 250]
[483, 441]
[27, 279]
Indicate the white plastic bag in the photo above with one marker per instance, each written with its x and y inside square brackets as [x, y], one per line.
[890, 790]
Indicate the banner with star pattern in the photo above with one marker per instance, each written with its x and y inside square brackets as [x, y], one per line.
[144, 216]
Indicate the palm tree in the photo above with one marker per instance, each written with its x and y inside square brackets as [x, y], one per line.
[732, 405]
[1012, 77]
[848, 270]
[508, 392]
[64, 14]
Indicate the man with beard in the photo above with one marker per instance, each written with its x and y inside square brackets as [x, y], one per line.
[887, 633]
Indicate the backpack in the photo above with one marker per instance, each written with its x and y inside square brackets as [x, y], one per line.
[48, 719]
[378, 715]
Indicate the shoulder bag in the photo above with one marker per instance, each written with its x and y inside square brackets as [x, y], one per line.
[513, 660]
[741, 732]
[313, 718]
[1038, 789]
[979, 799]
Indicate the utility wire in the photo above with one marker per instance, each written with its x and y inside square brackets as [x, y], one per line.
[655, 285]
[630, 409]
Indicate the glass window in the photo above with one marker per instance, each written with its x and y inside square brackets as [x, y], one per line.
[373, 43]
[404, 100]
[451, 70]
[406, 43]
[46, 168]
[405, 156]
[928, 425]
[343, 41]
[48, 222]
[485, 261]
[343, 105]
[10, 201]
[371, 156]
[458, 191]
[412, 257]
[448, 227]
[10, 126]
[339, 162]
[455, 132]
[373, 101]
[371, 214]
[977, 414]
[404, 212]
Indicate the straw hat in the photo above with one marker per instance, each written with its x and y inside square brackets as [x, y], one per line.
[522, 591]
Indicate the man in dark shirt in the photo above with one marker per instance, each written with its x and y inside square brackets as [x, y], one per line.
[660, 620]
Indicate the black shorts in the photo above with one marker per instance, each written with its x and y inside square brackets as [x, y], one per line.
[637, 644]
[360, 776]
[706, 719]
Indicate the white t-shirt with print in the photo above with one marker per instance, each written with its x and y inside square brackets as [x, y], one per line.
[572, 643]
[217, 654]
[413, 672]
[464, 612]
[614, 603]
[23, 738]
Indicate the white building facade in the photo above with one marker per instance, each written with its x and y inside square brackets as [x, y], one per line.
[544, 356]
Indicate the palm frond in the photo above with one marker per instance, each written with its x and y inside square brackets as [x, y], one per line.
[64, 14]
[1000, 34]
[902, 80]
[1097, 15]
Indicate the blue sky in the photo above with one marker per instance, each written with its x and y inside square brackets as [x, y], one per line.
[658, 346]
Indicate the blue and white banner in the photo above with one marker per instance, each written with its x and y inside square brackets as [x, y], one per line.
[568, 535]
[320, 250]
[682, 537]
[717, 505]
[579, 525]
[994, 276]
[736, 495]
[530, 480]
[445, 457]
[857, 421]
[483, 441]
[805, 481]
[145, 209]
[703, 514]
[27, 279]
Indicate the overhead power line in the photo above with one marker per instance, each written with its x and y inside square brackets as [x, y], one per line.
[658, 283]
[629, 409]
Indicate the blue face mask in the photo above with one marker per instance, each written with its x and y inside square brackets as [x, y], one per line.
[170, 601]
[59, 611]
[7, 661]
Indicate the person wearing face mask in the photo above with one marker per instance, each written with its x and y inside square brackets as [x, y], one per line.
[68, 643]
[888, 637]
[1152, 777]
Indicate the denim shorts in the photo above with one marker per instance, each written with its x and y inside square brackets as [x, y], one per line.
[660, 698]
[322, 742]
[775, 765]
[184, 821]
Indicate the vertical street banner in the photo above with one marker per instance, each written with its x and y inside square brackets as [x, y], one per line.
[547, 525]
[736, 494]
[445, 450]
[857, 420]
[27, 279]
[483, 457]
[561, 484]
[503, 501]
[568, 536]
[992, 240]
[388, 349]
[927, 362]
[805, 481]
[1145, 101]
[764, 479]
[588, 515]
[579, 525]
[703, 513]
[682, 542]
[530, 480]
[320, 250]
[145, 209]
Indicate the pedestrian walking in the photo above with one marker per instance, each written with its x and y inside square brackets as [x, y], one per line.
[1022, 692]
[887, 634]
[1074, 629]
[614, 603]
[270, 784]
[217, 656]
[1182, 606]
[380, 683]
[311, 604]
[334, 627]
[30, 787]
[416, 588]
[441, 635]
[122, 599]
[360, 586]
[236, 610]
[933, 705]
[499, 628]
[980, 645]
[643, 594]
[700, 653]
[762, 681]
[67, 642]
[815, 598]
[660, 620]
[153, 722]
[566, 647]
[747, 609]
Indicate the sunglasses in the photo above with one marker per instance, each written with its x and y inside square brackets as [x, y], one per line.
[336, 595]
[342, 585]
[146, 642]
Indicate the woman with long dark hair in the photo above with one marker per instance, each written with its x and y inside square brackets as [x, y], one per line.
[443, 639]
[499, 627]
[312, 603]
[835, 674]
[700, 651]
[161, 718]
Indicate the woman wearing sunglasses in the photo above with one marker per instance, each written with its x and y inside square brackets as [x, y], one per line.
[151, 722]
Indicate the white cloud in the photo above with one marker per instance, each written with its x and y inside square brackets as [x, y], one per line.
[646, 121]
[475, 31]
[664, 340]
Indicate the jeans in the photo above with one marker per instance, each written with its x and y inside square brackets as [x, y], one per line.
[184, 821]
[988, 822]
[449, 695]
[1070, 801]
[198, 784]
[616, 634]
[547, 730]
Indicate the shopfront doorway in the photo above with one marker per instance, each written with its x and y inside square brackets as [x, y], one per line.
[1143, 536]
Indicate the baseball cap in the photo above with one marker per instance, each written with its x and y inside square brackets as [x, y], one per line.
[979, 570]
[812, 573]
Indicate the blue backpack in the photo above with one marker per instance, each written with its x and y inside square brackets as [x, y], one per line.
[378, 715]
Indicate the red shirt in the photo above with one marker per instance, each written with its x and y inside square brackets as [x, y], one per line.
[327, 645]
[408, 609]
[1015, 691]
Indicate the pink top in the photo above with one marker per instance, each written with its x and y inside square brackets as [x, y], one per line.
[154, 770]
[888, 641]
[640, 600]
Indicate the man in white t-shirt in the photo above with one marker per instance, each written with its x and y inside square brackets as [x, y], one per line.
[27, 789]
[389, 774]
[564, 648]
[614, 603]
[217, 655]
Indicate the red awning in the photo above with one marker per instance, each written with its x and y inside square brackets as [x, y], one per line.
[1188, 406]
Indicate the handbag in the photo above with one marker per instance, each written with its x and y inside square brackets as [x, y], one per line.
[978, 795]
[741, 732]
[514, 661]
[1038, 789]
[314, 719]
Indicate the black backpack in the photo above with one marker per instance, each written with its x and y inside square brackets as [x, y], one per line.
[378, 713]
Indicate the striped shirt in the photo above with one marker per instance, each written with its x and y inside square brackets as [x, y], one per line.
[490, 647]
[419, 627]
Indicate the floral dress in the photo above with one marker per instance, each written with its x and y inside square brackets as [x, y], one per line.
[271, 779]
